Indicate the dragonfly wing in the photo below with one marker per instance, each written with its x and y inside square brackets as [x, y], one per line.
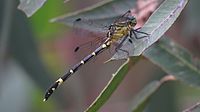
[123, 17]
[95, 25]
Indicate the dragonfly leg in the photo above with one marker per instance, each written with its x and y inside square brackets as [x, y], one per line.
[133, 32]
[137, 30]
[118, 47]
[125, 51]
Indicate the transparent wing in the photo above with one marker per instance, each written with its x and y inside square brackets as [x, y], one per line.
[94, 25]
[123, 17]
[101, 24]
[103, 13]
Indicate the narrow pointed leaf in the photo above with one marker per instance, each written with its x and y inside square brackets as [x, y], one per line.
[158, 23]
[29, 7]
[141, 100]
[174, 60]
[143, 97]
[111, 86]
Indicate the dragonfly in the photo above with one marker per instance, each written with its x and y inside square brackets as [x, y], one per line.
[120, 30]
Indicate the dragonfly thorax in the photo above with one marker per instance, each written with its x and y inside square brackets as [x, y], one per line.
[119, 33]
[121, 29]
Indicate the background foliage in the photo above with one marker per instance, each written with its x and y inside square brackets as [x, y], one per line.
[35, 52]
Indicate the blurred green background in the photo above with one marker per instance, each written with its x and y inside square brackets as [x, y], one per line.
[35, 52]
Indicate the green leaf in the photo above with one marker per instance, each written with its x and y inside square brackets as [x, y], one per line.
[143, 97]
[101, 14]
[175, 61]
[29, 7]
[111, 86]
[23, 48]
[158, 23]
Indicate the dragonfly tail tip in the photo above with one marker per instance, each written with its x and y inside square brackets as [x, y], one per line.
[44, 100]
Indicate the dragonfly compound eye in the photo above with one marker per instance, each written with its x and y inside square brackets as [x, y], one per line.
[133, 21]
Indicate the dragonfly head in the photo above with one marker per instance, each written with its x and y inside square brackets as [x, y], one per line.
[131, 21]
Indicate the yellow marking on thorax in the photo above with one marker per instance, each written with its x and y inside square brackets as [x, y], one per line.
[119, 33]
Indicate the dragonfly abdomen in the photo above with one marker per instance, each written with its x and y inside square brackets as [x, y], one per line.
[57, 83]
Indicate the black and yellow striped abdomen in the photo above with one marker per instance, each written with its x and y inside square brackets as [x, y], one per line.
[116, 31]
[57, 83]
